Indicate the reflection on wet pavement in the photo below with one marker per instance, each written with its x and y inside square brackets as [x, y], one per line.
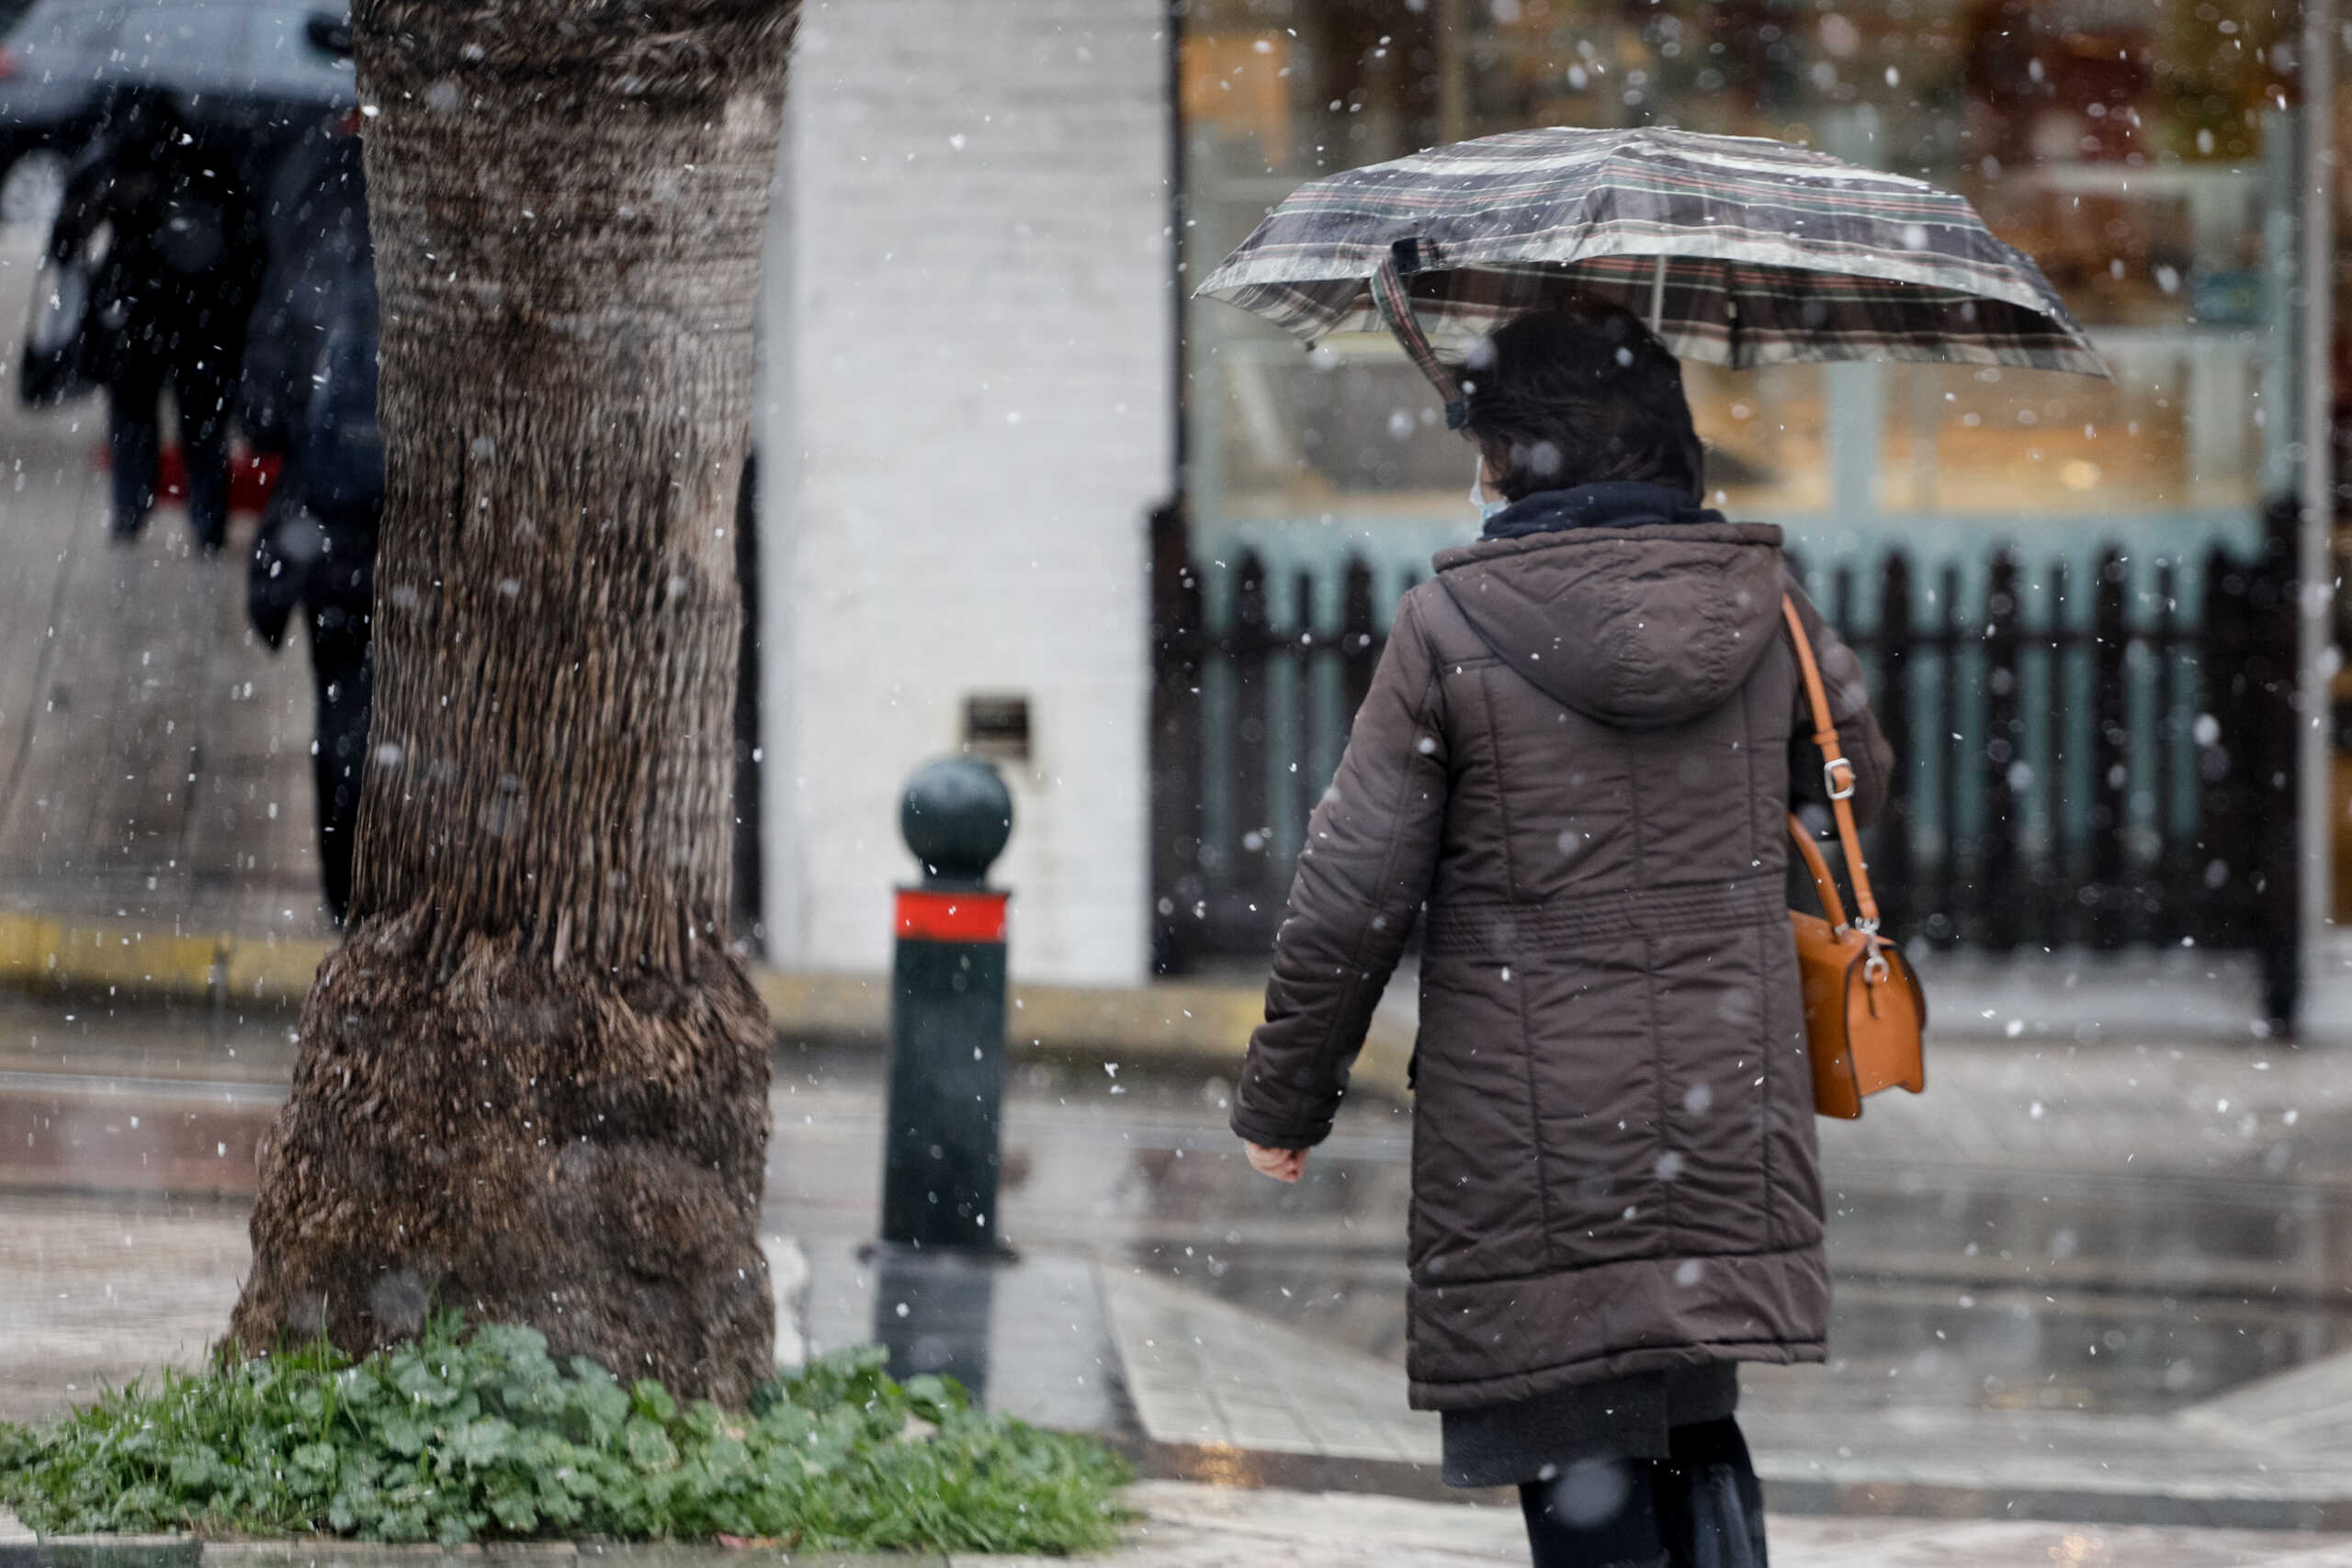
[2093, 1230]
[2202, 1257]
[1028, 1338]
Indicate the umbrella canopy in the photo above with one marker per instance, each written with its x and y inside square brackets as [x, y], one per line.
[1737, 250]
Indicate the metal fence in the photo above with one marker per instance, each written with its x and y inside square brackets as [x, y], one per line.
[2094, 754]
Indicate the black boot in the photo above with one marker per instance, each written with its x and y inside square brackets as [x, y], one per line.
[1599, 1515]
[1710, 1505]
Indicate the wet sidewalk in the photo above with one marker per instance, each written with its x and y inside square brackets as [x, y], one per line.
[1190, 1525]
[154, 757]
[2102, 1284]
[1196, 1527]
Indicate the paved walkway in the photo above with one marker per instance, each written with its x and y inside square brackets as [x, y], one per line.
[2084, 1320]
[154, 758]
[1195, 1526]
[1205, 1374]
[1191, 1524]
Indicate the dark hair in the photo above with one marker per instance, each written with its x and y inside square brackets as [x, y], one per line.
[1577, 393]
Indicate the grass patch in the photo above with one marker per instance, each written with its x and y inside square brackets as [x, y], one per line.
[482, 1436]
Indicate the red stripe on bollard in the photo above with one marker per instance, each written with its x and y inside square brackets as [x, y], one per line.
[951, 917]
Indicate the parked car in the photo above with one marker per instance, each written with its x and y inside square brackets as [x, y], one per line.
[257, 74]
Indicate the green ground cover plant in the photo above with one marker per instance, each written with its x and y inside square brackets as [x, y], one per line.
[479, 1434]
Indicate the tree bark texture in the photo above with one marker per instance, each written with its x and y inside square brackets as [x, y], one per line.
[533, 1081]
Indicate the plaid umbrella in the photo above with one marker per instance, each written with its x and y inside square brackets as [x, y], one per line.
[1737, 250]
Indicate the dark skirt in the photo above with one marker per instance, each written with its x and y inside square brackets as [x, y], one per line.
[1627, 1417]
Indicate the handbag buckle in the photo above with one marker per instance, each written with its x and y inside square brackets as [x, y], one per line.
[1876, 970]
[1829, 778]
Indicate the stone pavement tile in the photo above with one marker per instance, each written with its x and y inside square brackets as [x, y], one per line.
[674, 1554]
[2125, 1109]
[1305, 1528]
[2311, 1405]
[154, 758]
[1204, 1371]
[95, 1292]
[2037, 1452]
[2334, 1555]
[1268, 1428]
[315, 1552]
[1157, 1545]
[1183, 1416]
[2015, 1543]
[1366, 1436]
[1271, 1386]
[1191, 1525]
[176, 1048]
[72, 1131]
[54, 494]
[97, 1289]
[107, 1552]
[1818, 1533]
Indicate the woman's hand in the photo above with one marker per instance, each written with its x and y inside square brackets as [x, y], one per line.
[1283, 1165]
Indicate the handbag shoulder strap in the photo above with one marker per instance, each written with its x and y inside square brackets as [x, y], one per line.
[1824, 885]
[1837, 773]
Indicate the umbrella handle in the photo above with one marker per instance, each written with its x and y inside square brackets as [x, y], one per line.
[1396, 309]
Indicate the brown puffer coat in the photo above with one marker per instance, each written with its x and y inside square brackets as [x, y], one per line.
[1578, 752]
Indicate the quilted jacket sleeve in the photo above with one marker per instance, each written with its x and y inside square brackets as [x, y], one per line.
[1371, 851]
[1850, 705]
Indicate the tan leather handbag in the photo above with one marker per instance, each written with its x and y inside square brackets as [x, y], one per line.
[1865, 1013]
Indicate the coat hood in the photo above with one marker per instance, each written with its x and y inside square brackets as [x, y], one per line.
[1640, 628]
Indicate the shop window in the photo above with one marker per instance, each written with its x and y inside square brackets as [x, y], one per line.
[2142, 152]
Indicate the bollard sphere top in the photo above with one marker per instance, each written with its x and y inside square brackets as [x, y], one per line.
[957, 817]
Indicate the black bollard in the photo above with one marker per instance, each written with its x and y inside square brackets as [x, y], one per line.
[942, 1142]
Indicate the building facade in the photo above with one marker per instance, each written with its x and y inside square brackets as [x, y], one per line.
[969, 416]
[984, 387]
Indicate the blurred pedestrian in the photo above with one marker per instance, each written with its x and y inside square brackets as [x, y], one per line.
[307, 400]
[180, 258]
[316, 551]
[314, 228]
[1572, 771]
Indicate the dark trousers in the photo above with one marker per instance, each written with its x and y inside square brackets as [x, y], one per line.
[343, 676]
[200, 377]
[1699, 1507]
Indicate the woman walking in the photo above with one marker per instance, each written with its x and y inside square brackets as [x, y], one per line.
[1572, 772]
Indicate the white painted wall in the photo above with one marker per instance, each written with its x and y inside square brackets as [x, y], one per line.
[970, 395]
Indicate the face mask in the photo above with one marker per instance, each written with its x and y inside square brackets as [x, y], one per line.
[1486, 510]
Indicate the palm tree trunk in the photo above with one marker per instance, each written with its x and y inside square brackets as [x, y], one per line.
[533, 1081]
